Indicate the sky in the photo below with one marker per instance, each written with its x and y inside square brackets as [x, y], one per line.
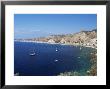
[41, 25]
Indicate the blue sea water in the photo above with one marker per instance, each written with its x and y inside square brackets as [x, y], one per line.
[47, 61]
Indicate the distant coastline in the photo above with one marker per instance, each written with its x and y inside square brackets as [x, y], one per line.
[83, 38]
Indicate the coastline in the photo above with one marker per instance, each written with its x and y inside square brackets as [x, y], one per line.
[70, 44]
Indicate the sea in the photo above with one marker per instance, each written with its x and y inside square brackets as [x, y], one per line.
[44, 59]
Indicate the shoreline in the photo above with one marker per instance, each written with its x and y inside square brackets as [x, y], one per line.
[58, 43]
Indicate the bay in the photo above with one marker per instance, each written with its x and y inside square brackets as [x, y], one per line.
[50, 59]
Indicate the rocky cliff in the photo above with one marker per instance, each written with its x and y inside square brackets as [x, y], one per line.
[83, 38]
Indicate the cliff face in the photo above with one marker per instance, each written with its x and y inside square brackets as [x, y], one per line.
[84, 38]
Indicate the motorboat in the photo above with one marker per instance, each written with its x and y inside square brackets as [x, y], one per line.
[56, 50]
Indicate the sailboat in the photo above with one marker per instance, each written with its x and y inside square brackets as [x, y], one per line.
[32, 53]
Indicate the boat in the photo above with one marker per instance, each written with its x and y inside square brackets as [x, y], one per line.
[55, 60]
[16, 74]
[56, 50]
[32, 54]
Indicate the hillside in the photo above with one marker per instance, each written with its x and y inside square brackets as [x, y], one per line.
[83, 38]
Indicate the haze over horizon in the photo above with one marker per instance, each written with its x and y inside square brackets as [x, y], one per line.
[41, 25]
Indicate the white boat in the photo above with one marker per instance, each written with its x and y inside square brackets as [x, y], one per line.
[56, 50]
[55, 60]
[32, 54]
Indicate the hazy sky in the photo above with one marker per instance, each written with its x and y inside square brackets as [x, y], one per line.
[38, 25]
